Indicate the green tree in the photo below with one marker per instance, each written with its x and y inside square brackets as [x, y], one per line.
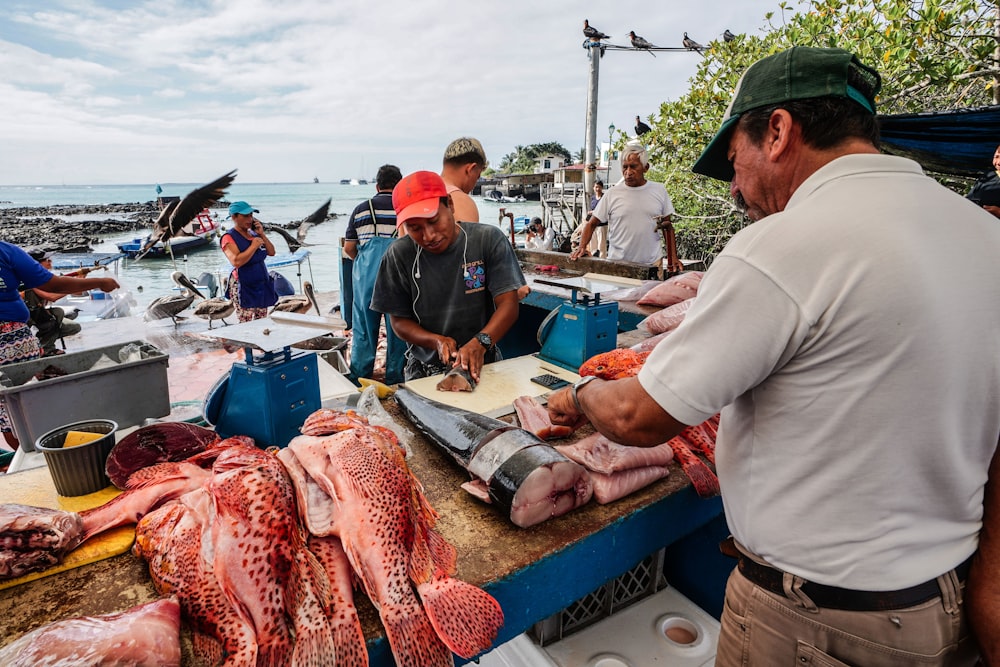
[932, 55]
[522, 159]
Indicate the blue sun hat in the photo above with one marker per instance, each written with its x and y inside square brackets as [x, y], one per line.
[242, 208]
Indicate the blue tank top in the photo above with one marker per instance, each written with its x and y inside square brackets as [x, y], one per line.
[256, 286]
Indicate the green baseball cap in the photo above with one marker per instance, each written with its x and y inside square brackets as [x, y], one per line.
[801, 72]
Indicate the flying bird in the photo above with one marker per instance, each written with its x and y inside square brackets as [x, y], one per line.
[640, 43]
[593, 33]
[728, 36]
[640, 127]
[299, 240]
[179, 213]
[691, 45]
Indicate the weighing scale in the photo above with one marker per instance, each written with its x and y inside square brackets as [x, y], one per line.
[581, 327]
[268, 396]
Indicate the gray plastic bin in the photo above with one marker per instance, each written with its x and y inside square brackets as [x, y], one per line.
[98, 386]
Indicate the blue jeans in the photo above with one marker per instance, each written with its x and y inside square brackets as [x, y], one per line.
[365, 321]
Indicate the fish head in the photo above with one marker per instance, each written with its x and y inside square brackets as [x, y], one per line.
[615, 364]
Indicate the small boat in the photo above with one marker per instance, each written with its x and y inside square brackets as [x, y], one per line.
[498, 197]
[199, 233]
[315, 179]
[345, 181]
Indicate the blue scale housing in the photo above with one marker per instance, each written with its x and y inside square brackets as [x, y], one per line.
[578, 330]
[266, 397]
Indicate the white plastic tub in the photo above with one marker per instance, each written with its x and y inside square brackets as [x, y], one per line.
[664, 629]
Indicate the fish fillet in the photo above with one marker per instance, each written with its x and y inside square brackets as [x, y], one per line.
[147, 635]
[534, 417]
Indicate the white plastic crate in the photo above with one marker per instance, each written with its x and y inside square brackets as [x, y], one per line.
[663, 629]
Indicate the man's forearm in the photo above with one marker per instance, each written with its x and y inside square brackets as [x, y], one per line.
[983, 586]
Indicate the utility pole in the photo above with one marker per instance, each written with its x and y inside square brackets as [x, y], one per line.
[590, 146]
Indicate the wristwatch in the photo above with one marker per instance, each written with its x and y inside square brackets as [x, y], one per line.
[484, 340]
[576, 386]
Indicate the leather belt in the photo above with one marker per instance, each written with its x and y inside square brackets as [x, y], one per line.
[831, 597]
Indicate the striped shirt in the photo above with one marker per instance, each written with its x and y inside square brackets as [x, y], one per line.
[361, 227]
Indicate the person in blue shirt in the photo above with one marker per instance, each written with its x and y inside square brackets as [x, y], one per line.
[246, 246]
[17, 341]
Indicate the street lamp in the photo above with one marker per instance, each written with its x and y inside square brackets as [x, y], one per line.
[611, 132]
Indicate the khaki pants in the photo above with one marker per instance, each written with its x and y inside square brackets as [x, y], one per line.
[762, 628]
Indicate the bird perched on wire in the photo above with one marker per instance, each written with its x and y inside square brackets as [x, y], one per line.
[299, 240]
[179, 213]
[640, 43]
[593, 34]
[691, 45]
[640, 127]
[728, 36]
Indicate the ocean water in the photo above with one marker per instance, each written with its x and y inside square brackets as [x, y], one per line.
[278, 203]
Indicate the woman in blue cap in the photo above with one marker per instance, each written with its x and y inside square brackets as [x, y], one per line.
[246, 246]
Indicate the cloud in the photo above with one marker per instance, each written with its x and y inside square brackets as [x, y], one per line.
[179, 90]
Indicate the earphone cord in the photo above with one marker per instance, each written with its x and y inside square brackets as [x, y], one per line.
[415, 270]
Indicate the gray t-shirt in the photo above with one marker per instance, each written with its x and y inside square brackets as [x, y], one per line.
[454, 293]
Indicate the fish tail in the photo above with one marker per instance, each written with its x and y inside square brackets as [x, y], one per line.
[307, 594]
[465, 617]
[412, 638]
[314, 647]
[276, 654]
[349, 639]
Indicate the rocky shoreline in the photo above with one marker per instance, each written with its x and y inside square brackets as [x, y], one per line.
[47, 227]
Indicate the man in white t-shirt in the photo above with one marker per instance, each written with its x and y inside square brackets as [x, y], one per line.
[857, 445]
[631, 210]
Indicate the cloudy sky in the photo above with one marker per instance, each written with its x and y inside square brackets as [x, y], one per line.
[130, 91]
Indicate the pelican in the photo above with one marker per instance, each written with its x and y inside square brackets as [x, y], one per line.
[172, 304]
[216, 308]
[179, 213]
[298, 303]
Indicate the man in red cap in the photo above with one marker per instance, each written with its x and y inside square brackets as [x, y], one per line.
[449, 288]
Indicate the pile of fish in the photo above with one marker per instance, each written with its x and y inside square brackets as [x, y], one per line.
[626, 362]
[353, 483]
[261, 557]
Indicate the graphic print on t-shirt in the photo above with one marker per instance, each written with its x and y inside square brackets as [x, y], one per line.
[475, 277]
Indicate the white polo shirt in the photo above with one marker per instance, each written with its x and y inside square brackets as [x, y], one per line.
[853, 340]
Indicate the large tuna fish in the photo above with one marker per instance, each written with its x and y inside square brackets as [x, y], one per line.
[145, 636]
[524, 475]
[356, 485]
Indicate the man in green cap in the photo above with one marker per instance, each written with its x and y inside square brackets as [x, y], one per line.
[848, 338]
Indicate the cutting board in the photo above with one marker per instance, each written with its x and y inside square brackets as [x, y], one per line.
[499, 384]
[34, 487]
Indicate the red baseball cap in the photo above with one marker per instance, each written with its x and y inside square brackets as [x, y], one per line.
[418, 195]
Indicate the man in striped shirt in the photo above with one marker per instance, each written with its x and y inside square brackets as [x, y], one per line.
[370, 231]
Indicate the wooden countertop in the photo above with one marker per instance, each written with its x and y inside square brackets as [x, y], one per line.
[532, 572]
